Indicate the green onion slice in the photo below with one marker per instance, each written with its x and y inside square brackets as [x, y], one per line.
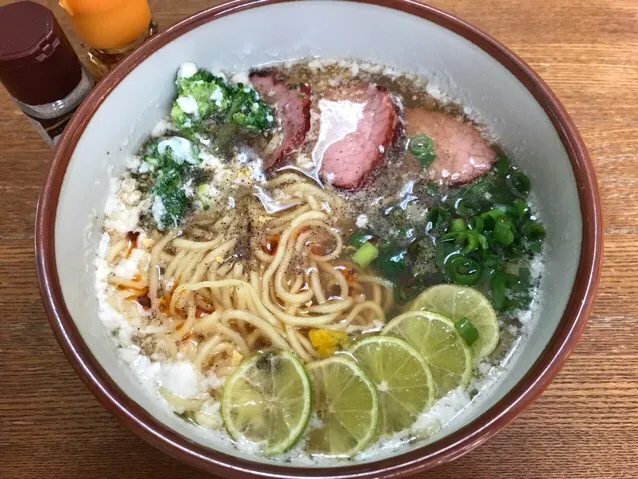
[520, 208]
[491, 217]
[499, 283]
[466, 208]
[533, 230]
[470, 240]
[503, 232]
[476, 223]
[359, 237]
[466, 330]
[502, 165]
[437, 217]
[422, 147]
[463, 270]
[519, 183]
[366, 254]
[457, 225]
[497, 287]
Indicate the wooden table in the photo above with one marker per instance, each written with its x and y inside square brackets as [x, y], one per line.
[584, 426]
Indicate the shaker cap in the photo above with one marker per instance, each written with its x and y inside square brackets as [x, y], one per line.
[37, 62]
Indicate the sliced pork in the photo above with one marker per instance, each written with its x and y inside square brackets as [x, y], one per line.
[292, 107]
[462, 155]
[348, 161]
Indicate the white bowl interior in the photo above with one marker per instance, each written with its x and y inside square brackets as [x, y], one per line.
[321, 28]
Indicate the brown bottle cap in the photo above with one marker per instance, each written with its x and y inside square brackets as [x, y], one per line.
[37, 63]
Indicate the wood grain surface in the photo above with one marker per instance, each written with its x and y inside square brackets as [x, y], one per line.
[586, 423]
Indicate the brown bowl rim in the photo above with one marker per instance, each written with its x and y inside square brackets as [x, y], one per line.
[444, 450]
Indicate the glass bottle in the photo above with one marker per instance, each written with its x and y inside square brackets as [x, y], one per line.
[111, 29]
[39, 67]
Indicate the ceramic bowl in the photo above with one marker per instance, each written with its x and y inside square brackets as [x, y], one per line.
[458, 60]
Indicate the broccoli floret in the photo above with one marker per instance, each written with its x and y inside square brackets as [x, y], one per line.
[150, 147]
[200, 97]
[203, 96]
[150, 156]
[180, 119]
[165, 153]
[249, 111]
[171, 196]
[178, 150]
[169, 163]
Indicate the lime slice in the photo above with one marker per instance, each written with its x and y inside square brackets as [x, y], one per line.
[402, 377]
[267, 401]
[435, 337]
[456, 302]
[346, 404]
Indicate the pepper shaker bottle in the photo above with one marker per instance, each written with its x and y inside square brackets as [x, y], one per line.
[39, 67]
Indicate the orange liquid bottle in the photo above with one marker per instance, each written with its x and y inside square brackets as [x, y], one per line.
[110, 28]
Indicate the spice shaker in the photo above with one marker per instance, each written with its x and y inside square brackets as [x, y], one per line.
[110, 28]
[39, 67]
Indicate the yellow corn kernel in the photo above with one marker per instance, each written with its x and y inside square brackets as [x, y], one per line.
[326, 341]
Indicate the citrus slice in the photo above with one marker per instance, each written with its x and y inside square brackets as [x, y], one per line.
[435, 337]
[456, 302]
[402, 377]
[347, 407]
[267, 401]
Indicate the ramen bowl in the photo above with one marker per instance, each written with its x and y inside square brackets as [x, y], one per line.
[459, 62]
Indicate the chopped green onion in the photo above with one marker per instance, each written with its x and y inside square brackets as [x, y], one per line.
[466, 330]
[520, 208]
[520, 283]
[457, 225]
[499, 283]
[476, 223]
[466, 208]
[533, 230]
[422, 147]
[524, 274]
[463, 270]
[491, 217]
[366, 254]
[501, 192]
[519, 183]
[491, 260]
[470, 241]
[497, 286]
[534, 246]
[448, 237]
[392, 261]
[443, 252]
[437, 218]
[517, 248]
[359, 237]
[502, 165]
[503, 232]
[482, 241]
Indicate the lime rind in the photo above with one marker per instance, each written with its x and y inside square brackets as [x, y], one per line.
[331, 439]
[401, 396]
[455, 302]
[242, 393]
[431, 335]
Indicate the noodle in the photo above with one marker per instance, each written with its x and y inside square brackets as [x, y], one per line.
[217, 305]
